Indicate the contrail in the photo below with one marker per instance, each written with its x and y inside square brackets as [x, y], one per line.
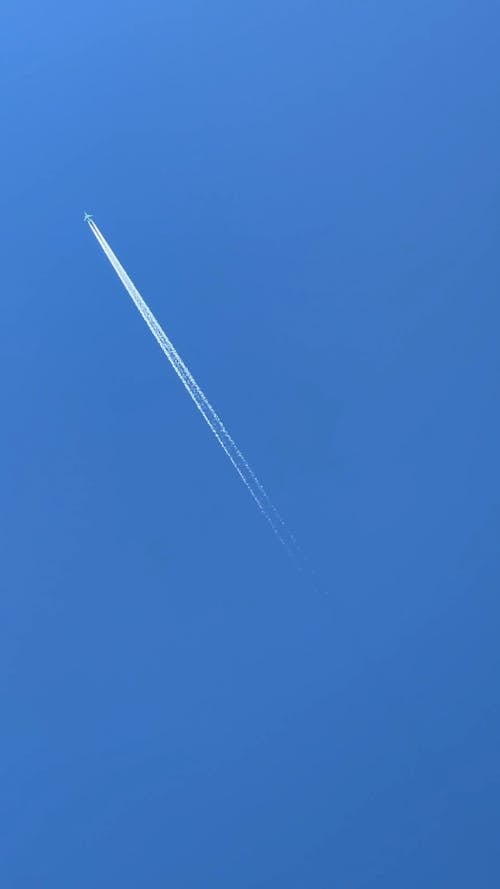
[227, 443]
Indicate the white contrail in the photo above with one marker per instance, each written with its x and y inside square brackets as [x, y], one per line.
[210, 416]
[194, 389]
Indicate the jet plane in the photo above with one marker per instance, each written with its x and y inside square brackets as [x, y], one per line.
[87, 217]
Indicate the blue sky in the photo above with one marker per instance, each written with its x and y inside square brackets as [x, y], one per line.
[306, 193]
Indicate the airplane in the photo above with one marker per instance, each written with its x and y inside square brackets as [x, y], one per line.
[87, 217]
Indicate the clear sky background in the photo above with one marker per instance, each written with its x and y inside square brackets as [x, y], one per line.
[307, 194]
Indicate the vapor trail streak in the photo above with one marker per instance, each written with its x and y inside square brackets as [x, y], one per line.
[199, 398]
[194, 389]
